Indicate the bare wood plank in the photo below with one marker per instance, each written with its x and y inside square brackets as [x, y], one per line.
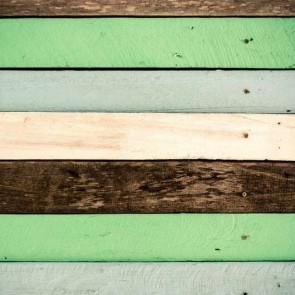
[147, 8]
[263, 278]
[147, 187]
[260, 43]
[148, 91]
[144, 136]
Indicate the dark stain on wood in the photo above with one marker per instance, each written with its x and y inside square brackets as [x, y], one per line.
[146, 187]
[147, 8]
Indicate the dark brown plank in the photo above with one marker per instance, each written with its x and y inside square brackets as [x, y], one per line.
[146, 187]
[147, 8]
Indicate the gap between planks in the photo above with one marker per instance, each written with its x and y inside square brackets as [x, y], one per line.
[146, 136]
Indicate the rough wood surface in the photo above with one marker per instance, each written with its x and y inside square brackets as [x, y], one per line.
[146, 136]
[226, 278]
[147, 187]
[148, 42]
[148, 91]
[147, 8]
[146, 237]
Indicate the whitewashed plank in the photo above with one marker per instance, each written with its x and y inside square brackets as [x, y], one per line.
[148, 91]
[135, 136]
[147, 278]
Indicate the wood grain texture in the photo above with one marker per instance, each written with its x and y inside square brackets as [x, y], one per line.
[147, 8]
[148, 42]
[147, 187]
[145, 237]
[148, 278]
[148, 91]
[146, 136]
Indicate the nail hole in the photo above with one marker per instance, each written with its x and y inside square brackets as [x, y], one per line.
[246, 41]
[244, 237]
[245, 135]
[246, 91]
[244, 194]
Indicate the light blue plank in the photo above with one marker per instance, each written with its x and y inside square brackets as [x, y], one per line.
[148, 91]
[224, 278]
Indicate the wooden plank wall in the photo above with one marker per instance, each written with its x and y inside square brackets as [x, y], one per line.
[148, 43]
[147, 278]
[132, 156]
[148, 91]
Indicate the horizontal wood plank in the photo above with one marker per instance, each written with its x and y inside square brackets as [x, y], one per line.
[148, 91]
[147, 187]
[145, 237]
[148, 42]
[147, 8]
[146, 136]
[148, 278]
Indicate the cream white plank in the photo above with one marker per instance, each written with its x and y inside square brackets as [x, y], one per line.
[147, 278]
[134, 136]
[148, 91]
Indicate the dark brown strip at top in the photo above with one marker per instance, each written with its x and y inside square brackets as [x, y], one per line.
[147, 8]
[147, 187]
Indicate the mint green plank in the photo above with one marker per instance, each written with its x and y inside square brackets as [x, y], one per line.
[148, 42]
[175, 237]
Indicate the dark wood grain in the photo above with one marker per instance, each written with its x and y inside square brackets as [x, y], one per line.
[146, 187]
[147, 7]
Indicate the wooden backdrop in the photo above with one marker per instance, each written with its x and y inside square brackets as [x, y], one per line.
[144, 141]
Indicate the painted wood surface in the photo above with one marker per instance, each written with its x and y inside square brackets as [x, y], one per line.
[147, 187]
[145, 237]
[147, 8]
[148, 278]
[148, 42]
[118, 136]
[148, 91]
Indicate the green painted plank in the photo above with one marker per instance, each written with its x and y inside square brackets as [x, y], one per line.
[175, 237]
[148, 42]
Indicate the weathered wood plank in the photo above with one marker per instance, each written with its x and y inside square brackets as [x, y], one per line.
[148, 42]
[146, 136]
[148, 278]
[145, 237]
[147, 187]
[147, 8]
[148, 91]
